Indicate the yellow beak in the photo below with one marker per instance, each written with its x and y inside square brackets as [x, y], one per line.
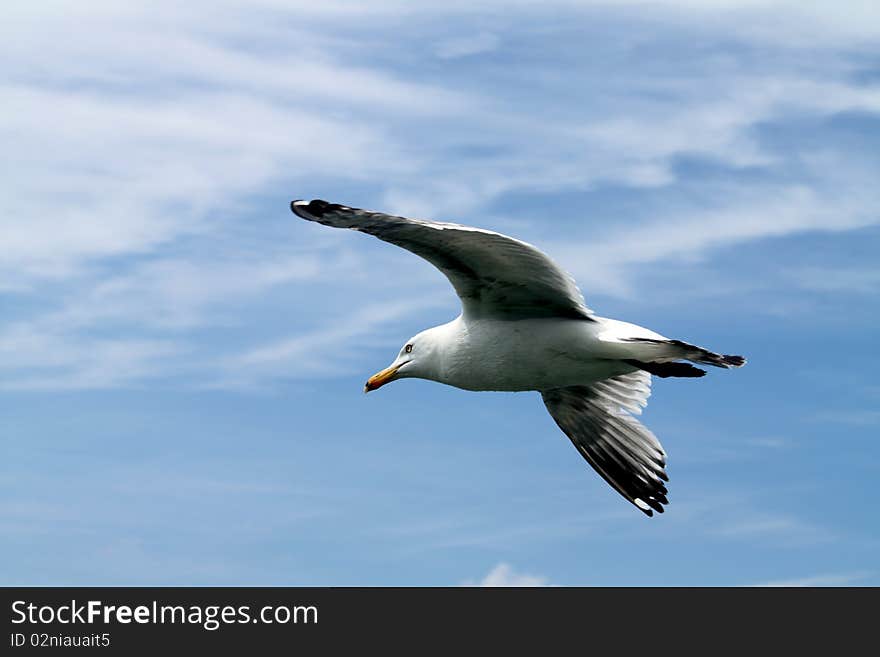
[381, 378]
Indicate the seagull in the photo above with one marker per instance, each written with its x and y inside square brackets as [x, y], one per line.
[524, 325]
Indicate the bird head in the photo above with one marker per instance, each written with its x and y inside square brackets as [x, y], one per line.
[413, 361]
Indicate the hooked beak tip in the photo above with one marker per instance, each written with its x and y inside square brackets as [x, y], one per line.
[380, 379]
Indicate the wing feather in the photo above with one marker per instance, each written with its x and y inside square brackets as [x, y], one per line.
[494, 275]
[597, 420]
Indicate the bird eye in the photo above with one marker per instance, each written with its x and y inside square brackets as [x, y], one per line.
[408, 348]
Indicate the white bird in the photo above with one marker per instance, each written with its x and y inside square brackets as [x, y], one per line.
[524, 325]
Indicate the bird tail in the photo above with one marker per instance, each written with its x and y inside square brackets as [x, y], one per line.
[661, 363]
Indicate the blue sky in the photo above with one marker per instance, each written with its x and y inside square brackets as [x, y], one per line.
[181, 359]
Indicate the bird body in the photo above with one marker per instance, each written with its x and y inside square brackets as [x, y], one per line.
[524, 326]
[503, 355]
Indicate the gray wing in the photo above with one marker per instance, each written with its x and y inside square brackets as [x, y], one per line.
[493, 275]
[597, 420]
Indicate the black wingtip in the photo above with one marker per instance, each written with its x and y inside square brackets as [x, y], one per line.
[314, 209]
[297, 207]
[733, 361]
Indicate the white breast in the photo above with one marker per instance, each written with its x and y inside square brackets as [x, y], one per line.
[531, 354]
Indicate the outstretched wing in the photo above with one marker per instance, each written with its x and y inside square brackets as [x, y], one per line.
[493, 275]
[597, 420]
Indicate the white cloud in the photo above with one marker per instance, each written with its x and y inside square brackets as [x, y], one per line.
[503, 575]
[180, 293]
[37, 361]
[841, 579]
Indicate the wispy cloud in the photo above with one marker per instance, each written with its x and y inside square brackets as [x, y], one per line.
[139, 140]
[179, 293]
[844, 279]
[123, 177]
[856, 417]
[41, 361]
[464, 46]
[326, 351]
[688, 234]
[774, 528]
